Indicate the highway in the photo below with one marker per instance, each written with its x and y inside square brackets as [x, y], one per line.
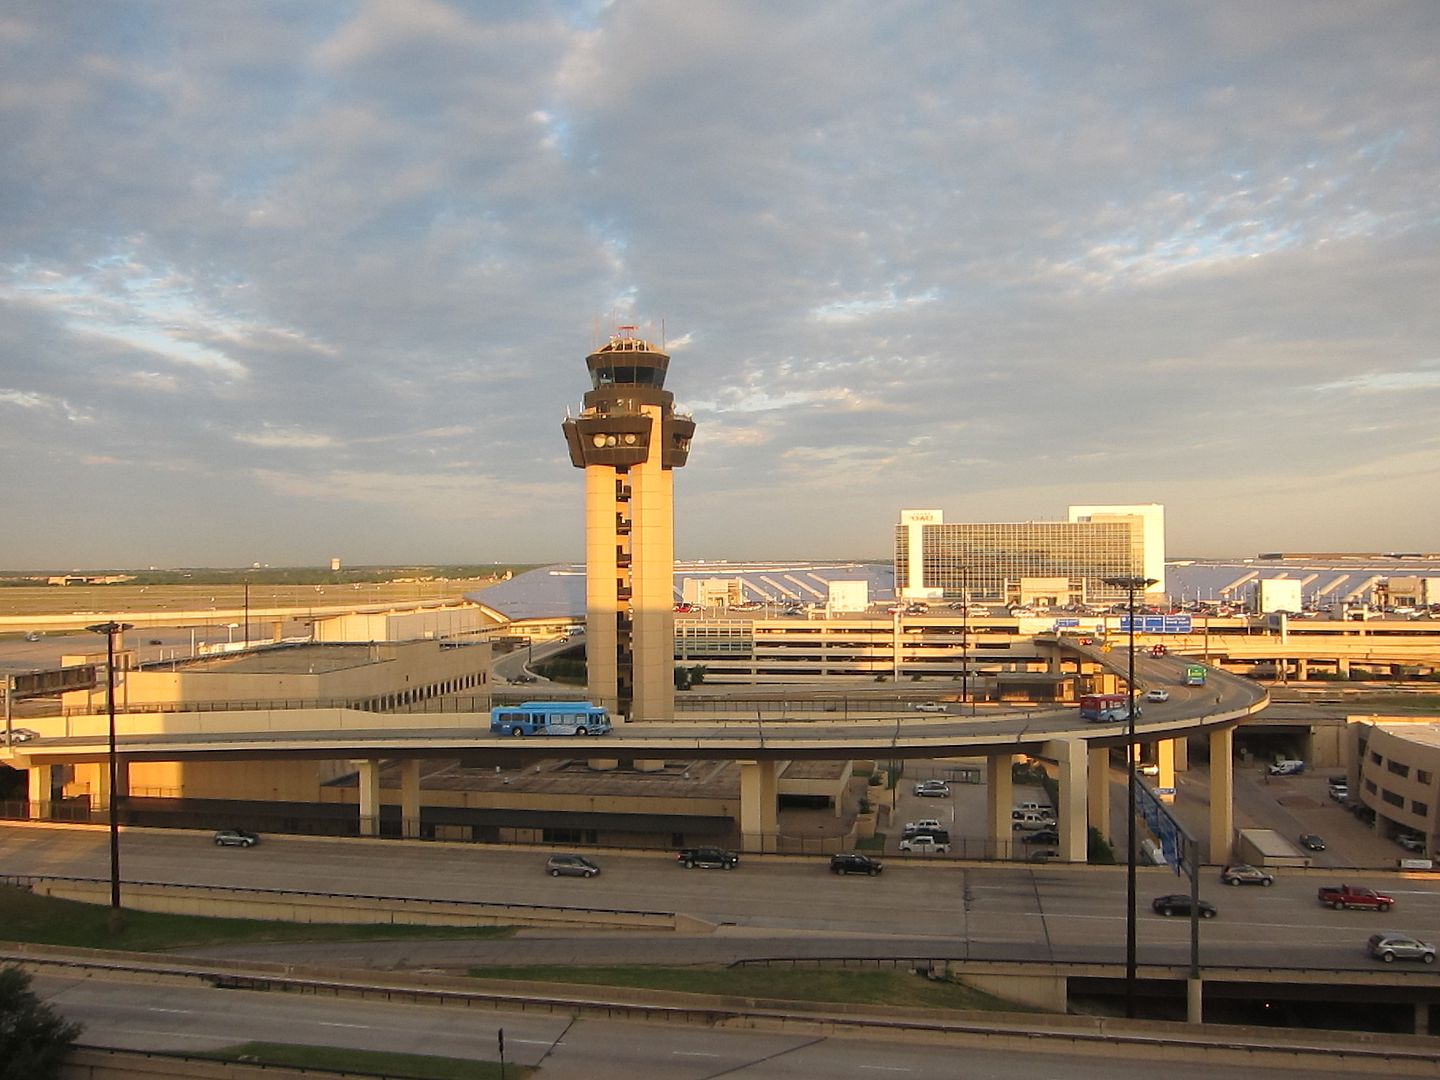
[770, 906]
[189, 1019]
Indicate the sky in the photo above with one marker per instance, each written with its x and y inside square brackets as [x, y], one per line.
[282, 282]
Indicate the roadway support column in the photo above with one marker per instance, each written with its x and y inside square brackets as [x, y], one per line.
[1195, 1001]
[1000, 783]
[1222, 794]
[1165, 759]
[1097, 780]
[759, 809]
[410, 798]
[1180, 748]
[1422, 1018]
[1073, 757]
[369, 797]
[42, 791]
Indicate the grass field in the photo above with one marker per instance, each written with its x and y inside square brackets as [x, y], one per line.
[44, 920]
[886, 988]
[367, 1062]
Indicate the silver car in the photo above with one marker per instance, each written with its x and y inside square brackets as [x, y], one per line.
[1390, 947]
[572, 865]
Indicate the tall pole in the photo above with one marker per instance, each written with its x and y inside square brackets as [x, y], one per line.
[1130, 584]
[110, 629]
[1130, 942]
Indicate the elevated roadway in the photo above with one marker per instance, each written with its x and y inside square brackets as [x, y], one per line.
[1079, 748]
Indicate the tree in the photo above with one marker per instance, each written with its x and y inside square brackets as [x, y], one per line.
[34, 1039]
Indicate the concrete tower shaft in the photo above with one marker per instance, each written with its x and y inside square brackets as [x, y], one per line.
[629, 439]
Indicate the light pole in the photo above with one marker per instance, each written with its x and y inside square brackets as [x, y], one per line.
[110, 629]
[1130, 584]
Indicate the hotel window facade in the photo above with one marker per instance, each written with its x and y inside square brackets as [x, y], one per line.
[1053, 562]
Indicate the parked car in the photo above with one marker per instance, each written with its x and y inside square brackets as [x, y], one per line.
[1340, 897]
[1147, 768]
[22, 734]
[1339, 792]
[923, 825]
[1179, 904]
[1157, 695]
[235, 838]
[926, 844]
[1392, 946]
[1041, 836]
[1031, 819]
[1245, 874]
[941, 835]
[1411, 843]
[707, 857]
[932, 789]
[853, 862]
[1312, 842]
[1287, 767]
[571, 866]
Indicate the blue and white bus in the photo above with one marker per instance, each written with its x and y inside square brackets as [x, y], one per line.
[549, 718]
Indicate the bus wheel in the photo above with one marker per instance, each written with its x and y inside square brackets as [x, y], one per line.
[582, 731]
[517, 731]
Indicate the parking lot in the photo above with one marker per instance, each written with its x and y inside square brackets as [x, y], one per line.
[1288, 805]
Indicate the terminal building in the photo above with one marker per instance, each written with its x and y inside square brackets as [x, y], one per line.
[1050, 563]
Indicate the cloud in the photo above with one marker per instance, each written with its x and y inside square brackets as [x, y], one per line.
[969, 256]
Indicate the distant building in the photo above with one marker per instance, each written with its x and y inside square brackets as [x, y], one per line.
[1045, 563]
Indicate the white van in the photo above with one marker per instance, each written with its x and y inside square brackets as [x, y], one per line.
[1287, 767]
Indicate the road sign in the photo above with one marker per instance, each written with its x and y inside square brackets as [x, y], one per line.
[1158, 624]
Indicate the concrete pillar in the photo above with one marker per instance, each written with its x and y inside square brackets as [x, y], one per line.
[1165, 758]
[42, 791]
[1222, 794]
[1302, 668]
[601, 589]
[1000, 786]
[277, 630]
[1343, 666]
[1073, 757]
[1181, 752]
[369, 797]
[1194, 1000]
[1098, 781]
[100, 793]
[410, 798]
[1422, 1018]
[759, 806]
[652, 574]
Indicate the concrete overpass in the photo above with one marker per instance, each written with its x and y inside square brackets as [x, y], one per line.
[1079, 749]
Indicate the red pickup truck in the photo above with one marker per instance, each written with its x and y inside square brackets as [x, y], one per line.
[1348, 896]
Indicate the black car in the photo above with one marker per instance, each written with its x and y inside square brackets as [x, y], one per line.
[1179, 904]
[854, 863]
[708, 857]
[1311, 842]
[235, 838]
[1041, 836]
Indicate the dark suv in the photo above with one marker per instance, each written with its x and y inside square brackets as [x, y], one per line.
[854, 863]
[708, 857]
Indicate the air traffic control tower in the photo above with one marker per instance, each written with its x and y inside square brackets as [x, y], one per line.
[629, 441]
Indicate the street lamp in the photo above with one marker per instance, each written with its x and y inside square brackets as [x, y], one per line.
[1130, 585]
[110, 630]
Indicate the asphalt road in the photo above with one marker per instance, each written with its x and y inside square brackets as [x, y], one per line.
[189, 1019]
[769, 906]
